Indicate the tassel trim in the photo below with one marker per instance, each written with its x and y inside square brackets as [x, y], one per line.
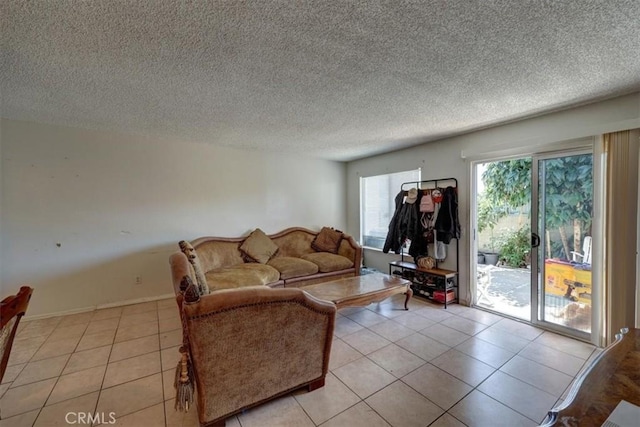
[184, 382]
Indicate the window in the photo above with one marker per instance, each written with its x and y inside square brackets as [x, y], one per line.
[377, 203]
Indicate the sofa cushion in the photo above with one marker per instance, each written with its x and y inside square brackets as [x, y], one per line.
[327, 262]
[241, 275]
[189, 251]
[259, 246]
[327, 240]
[290, 267]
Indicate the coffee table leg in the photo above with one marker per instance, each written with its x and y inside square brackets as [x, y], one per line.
[409, 294]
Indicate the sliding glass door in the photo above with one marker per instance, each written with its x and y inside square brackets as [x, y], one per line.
[533, 236]
[564, 218]
[503, 211]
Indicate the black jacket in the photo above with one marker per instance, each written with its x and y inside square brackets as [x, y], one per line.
[404, 224]
[447, 224]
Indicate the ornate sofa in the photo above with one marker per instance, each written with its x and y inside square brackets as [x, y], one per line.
[290, 261]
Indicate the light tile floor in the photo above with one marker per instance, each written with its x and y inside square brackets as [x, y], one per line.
[424, 367]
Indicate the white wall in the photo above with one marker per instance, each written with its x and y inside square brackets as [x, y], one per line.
[117, 206]
[450, 158]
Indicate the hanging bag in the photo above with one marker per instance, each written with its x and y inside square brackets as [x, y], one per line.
[426, 204]
[427, 207]
[440, 251]
[436, 195]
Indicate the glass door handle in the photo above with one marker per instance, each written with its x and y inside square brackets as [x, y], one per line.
[535, 240]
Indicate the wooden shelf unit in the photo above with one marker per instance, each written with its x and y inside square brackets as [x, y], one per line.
[425, 283]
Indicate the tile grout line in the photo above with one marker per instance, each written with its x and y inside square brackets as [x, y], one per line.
[44, 405]
[362, 400]
[363, 327]
[57, 377]
[473, 387]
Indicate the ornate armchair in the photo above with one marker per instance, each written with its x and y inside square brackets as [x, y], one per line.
[249, 345]
[12, 308]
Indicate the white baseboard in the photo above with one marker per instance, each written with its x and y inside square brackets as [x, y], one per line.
[135, 301]
[97, 307]
[27, 318]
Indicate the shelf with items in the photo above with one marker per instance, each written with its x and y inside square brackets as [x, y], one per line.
[435, 208]
[436, 284]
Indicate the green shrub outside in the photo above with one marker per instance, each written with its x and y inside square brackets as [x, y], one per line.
[514, 247]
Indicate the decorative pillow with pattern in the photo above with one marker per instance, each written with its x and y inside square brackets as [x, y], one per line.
[259, 247]
[327, 240]
[192, 256]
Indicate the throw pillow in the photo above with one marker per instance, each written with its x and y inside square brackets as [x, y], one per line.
[259, 246]
[192, 256]
[327, 240]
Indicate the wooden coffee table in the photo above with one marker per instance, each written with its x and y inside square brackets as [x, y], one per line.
[359, 291]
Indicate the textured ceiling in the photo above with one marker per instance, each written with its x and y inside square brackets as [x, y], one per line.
[333, 79]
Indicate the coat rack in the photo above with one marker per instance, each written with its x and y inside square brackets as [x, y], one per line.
[428, 185]
[437, 283]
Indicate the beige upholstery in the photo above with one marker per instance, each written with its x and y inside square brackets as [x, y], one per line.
[238, 276]
[328, 262]
[290, 267]
[225, 267]
[252, 344]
